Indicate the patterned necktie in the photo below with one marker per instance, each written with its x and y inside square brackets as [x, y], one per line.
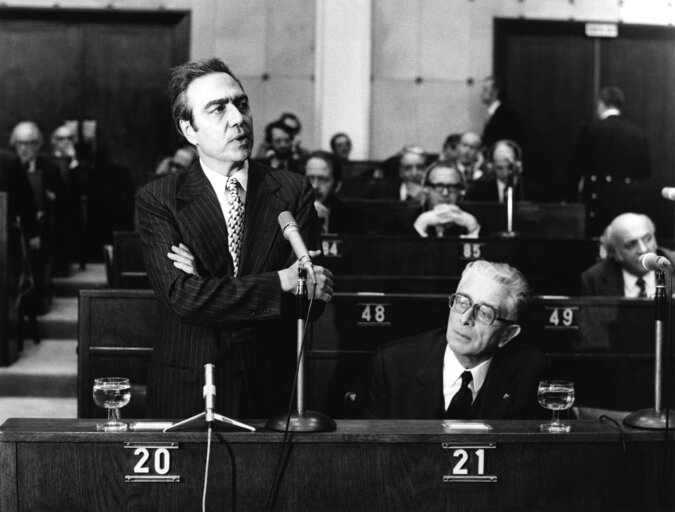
[461, 403]
[642, 287]
[235, 221]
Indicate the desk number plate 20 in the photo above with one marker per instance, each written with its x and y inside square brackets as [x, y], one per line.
[151, 462]
[468, 463]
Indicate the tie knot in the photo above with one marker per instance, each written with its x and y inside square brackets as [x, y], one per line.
[641, 287]
[231, 184]
[467, 377]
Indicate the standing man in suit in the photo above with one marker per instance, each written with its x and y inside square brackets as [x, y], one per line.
[324, 172]
[628, 236]
[610, 155]
[469, 370]
[235, 309]
[503, 122]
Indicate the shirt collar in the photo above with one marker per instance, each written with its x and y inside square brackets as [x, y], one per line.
[454, 369]
[610, 112]
[493, 107]
[218, 181]
[631, 289]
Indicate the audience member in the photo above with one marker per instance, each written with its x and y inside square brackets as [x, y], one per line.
[76, 175]
[503, 164]
[324, 172]
[469, 370]
[469, 160]
[628, 236]
[444, 187]
[450, 148]
[181, 161]
[278, 138]
[298, 153]
[503, 122]
[405, 183]
[610, 155]
[49, 192]
[341, 146]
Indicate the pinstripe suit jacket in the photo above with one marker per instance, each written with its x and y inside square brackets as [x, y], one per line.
[244, 325]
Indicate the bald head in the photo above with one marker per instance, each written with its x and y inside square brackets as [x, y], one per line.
[467, 149]
[629, 236]
[27, 140]
[504, 160]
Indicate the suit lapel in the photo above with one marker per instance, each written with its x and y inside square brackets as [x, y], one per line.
[261, 228]
[200, 213]
[428, 388]
[495, 396]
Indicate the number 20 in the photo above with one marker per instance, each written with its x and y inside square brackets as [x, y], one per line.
[162, 461]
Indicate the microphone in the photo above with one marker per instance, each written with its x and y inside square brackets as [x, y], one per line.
[291, 233]
[651, 261]
[209, 392]
[668, 193]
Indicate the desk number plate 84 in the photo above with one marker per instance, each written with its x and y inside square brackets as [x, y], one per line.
[468, 462]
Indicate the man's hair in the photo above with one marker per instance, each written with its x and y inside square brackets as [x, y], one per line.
[612, 96]
[517, 287]
[442, 164]
[279, 126]
[452, 140]
[334, 138]
[180, 79]
[31, 124]
[608, 237]
[331, 160]
[291, 115]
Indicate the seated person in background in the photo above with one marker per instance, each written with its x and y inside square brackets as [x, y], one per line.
[324, 172]
[341, 146]
[279, 141]
[298, 153]
[181, 161]
[467, 370]
[450, 147]
[406, 182]
[628, 236]
[443, 189]
[504, 160]
[469, 160]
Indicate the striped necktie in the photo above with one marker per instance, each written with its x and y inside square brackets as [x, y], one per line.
[235, 221]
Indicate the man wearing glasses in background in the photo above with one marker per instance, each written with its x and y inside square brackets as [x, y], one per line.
[469, 370]
[443, 187]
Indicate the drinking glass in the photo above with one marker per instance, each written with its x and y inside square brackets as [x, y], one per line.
[556, 395]
[112, 393]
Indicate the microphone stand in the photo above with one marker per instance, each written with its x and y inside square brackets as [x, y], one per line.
[656, 418]
[209, 416]
[301, 420]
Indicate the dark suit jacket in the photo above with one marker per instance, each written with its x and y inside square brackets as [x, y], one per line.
[245, 325]
[345, 219]
[20, 195]
[505, 123]
[606, 277]
[407, 381]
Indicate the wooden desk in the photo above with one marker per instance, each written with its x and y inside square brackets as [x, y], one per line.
[64, 465]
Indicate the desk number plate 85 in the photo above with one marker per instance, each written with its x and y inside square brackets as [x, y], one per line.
[468, 463]
[151, 462]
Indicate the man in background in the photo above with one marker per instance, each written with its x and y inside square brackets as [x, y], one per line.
[469, 160]
[502, 122]
[341, 146]
[628, 236]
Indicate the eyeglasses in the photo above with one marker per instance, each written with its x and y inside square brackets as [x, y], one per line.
[446, 187]
[33, 142]
[481, 312]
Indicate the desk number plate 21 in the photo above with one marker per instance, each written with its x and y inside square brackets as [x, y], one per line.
[150, 462]
[468, 462]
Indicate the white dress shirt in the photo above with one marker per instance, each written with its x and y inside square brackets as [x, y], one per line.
[452, 376]
[631, 288]
[219, 182]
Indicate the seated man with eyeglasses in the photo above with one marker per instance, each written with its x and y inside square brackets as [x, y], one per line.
[470, 369]
[444, 187]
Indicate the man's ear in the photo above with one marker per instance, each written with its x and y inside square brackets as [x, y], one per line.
[509, 333]
[188, 131]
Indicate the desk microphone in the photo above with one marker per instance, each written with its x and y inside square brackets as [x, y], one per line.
[209, 392]
[668, 193]
[651, 261]
[291, 233]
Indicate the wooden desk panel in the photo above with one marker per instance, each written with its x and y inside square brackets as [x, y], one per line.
[364, 465]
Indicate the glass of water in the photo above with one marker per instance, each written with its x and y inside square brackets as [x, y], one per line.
[112, 393]
[556, 395]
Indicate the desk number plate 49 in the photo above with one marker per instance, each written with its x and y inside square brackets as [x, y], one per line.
[468, 463]
[151, 462]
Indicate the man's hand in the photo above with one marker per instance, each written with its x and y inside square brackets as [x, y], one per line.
[183, 259]
[323, 276]
[34, 243]
[321, 210]
[414, 190]
[445, 215]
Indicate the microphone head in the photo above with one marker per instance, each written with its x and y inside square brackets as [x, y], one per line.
[652, 261]
[287, 223]
[668, 193]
